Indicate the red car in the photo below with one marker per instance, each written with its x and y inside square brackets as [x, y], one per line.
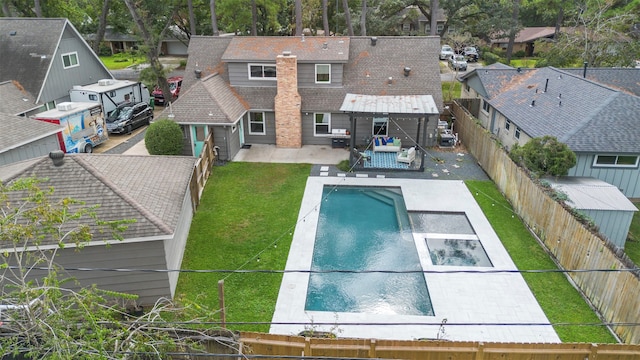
[174, 86]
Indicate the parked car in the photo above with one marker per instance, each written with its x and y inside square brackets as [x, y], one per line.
[458, 62]
[175, 83]
[446, 52]
[471, 54]
[129, 116]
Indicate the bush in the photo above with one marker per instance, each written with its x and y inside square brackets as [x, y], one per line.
[519, 54]
[544, 156]
[490, 58]
[164, 137]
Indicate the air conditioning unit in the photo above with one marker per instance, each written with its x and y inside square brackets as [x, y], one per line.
[106, 82]
[65, 106]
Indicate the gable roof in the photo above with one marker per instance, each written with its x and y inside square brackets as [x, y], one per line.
[124, 187]
[367, 69]
[15, 100]
[209, 101]
[528, 34]
[623, 79]
[18, 131]
[28, 46]
[585, 115]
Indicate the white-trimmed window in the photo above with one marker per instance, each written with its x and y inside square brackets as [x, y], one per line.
[380, 126]
[629, 161]
[323, 73]
[321, 123]
[517, 134]
[262, 71]
[485, 106]
[257, 123]
[507, 125]
[70, 60]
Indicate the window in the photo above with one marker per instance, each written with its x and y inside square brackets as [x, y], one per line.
[439, 28]
[517, 134]
[112, 94]
[380, 126]
[322, 124]
[616, 161]
[93, 97]
[507, 125]
[256, 123]
[323, 73]
[70, 60]
[261, 71]
[485, 106]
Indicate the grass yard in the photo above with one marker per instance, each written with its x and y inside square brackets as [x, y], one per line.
[560, 301]
[632, 247]
[245, 221]
[523, 63]
[451, 90]
[121, 61]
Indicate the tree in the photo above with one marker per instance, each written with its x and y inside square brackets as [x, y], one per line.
[325, 18]
[298, 8]
[347, 17]
[544, 156]
[214, 20]
[164, 137]
[363, 18]
[102, 27]
[43, 317]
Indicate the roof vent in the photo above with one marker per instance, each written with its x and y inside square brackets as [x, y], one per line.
[13, 33]
[560, 103]
[65, 106]
[325, 46]
[533, 103]
[286, 53]
[302, 38]
[560, 96]
[390, 81]
[373, 41]
[407, 71]
[57, 156]
[198, 73]
[519, 69]
[106, 82]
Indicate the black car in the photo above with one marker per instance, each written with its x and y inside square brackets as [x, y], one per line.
[129, 116]
[471, 53]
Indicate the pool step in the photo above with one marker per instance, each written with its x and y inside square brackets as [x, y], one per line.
[394, 199]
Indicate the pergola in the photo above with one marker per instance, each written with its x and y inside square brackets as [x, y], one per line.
[391, 106]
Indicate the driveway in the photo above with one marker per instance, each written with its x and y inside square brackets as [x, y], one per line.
[447, 74]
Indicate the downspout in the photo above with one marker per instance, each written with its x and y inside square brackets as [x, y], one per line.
[424, 136]
[352, 144]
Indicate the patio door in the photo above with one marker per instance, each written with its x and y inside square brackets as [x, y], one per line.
[380, 126]
[198, 135]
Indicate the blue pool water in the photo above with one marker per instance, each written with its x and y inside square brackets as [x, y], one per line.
[366, 228]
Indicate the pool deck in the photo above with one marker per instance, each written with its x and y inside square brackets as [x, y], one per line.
[462, 300]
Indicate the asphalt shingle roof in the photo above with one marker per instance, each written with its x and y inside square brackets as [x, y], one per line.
[18, 131]
[15, 99]
[124, 187]
[587, 116]
[27, 46]
[305, 48]
[623, 79]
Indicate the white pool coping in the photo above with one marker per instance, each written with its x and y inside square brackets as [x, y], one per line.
[460, 298]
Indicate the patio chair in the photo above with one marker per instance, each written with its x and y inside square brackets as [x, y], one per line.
[360, 156]
[407, 156]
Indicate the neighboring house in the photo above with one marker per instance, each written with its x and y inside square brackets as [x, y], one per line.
[125, 188]
[525, 39]
[288, 91]
[22, 138]
[599, 123]
[45, 58]
[603, 203]
[16, 100]
[413, 22]
[176, 43]
[623, 79]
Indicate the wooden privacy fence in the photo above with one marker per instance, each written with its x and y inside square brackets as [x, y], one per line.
[616, 294]
[283, 345]
[201, 171]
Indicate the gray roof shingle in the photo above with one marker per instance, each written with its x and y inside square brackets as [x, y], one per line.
[18, 131]
[305, 48]
[124, 187]
[623, 79]
[15, 100]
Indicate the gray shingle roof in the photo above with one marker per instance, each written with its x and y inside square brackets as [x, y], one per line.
[125, 187]
[15, 100]
[367, 70]
[623, 79]
[210, 101]
[27, 46]
[18, 131]
[592, 194]
[587, 116]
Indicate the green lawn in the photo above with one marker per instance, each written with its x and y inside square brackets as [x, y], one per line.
[632, 247]
[523, 63]
[451, 90]
[557, 297]
[121, 61]
[246, 220]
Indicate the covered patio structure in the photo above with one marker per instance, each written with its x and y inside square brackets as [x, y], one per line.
[389, 126]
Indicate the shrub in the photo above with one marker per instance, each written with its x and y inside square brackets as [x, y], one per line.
[490, 58]
[164, 137]
[544, 156]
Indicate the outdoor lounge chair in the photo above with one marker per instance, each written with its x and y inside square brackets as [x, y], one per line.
[407, 156]
[360, 156]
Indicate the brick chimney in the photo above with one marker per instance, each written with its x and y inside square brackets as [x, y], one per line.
[287, 103]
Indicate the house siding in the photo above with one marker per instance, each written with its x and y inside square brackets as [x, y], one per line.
[307, 76]
[31, 150]
[239, 75]
[60, 80]
[270, 130]
[174, 248]
[338, 121]
[226, 141]
[187, 148]
[627, 180]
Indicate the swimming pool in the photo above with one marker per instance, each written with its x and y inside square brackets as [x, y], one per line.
[366, 228]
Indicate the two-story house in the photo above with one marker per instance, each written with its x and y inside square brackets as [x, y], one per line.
[290, 91]
[598, 122]
[45, 58]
